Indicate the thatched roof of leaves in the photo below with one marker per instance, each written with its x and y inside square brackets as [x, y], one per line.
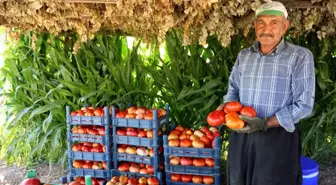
[151, 19]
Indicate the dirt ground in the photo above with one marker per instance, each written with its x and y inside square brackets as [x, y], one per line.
[13, 175]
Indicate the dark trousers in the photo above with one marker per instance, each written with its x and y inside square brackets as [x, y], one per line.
[265, 158]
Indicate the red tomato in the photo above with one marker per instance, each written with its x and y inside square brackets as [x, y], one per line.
[233, 122]
[31, 181]
[204, 129]
[197, 179]
[77, 147]
[130, 115]
[186, 178]
[148, 116]
[121, 114]
[248, 111]
[208, 180]
[206, 140]
[175, 177]
[209, 162]
[209, 134]
[153, 181]
[80, 113]
[233, 106]
[216, 118]
[199, 162]
[98, 112]
[180, 128]
[75, 183]
[174, 160]
[174, 143]
[175, 131]
[121, 132]
[150, 170]
[81, 131]
[186, 161]
[185, 143]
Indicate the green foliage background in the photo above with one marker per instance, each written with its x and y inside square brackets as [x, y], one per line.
[38, 83]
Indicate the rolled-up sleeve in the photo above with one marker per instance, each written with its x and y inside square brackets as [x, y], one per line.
[233, 89]
[303, 90]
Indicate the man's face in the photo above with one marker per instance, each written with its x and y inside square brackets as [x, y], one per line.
[269, 29]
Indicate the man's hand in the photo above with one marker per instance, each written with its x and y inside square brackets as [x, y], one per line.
[254, 124]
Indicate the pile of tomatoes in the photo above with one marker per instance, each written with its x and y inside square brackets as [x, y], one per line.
[197, 179]
[88, 147]
[89, 129]
[137, 167]
[189, 161]
[229, 116]
[188, 138]
[96, 165]
[123, 180]
[88, 111]
[137, 132]
[138, 150]
[134, 112]
[81, 181]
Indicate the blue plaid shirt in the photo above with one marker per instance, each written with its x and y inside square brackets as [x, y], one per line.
[281, 83]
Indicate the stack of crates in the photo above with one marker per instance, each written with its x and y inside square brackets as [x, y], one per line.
[89, 154]
[184, 174]
[155, 143]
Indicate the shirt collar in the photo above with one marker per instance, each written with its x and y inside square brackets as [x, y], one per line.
[277, 49]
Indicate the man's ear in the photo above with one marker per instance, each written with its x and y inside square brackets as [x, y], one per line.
[286, 25]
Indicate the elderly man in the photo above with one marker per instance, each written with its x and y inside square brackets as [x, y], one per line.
[277, 79]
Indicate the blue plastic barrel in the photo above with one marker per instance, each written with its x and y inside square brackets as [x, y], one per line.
[309, 171]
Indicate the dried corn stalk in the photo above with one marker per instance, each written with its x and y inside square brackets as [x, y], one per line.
[151, 19]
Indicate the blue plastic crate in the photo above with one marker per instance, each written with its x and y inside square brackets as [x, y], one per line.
[65, 180]
[137, 141]
[158, 175]
[153, 124]
[192, 170]
[206, 170]
[94, 173]
[89, 120]
[138, 159]
[87, 138]
[135, 158]
[192, 152]
[90, 156]
[170, 182]
[139, 123]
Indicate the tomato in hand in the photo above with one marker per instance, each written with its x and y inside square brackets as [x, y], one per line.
[233, 106]
[216, 118]
[248, 111]
[233, 121]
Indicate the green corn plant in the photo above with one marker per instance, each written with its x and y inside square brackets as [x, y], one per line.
[318, 131]
[105, 71]
[46, 79]
[35, 126]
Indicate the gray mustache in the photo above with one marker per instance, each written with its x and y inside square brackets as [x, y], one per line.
[265, 35]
